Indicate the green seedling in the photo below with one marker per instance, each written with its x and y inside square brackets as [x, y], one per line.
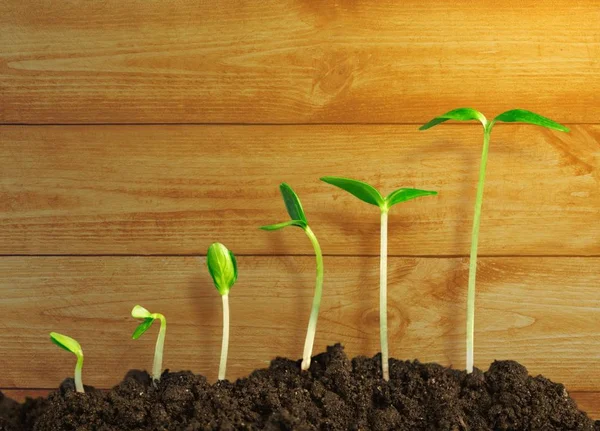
[140, 312]
[370, 195]
[71, 345]
[298, 219]
[222, 267]
[467, 114]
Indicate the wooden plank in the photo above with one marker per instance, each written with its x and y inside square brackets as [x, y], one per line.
[589, 402]
[176, 189]
[21, 394]
[295, 61]
[543, 312]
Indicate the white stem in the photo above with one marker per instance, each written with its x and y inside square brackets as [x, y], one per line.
[158, 350]
[78, 380]
[383, 296]
[314, 314]
[225, 344]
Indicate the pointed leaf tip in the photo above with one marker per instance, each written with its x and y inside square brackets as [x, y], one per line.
[278, 226]
[292, 203]
[222, 267]
[460, 114]
[525, 116]
[361, 190]
[403, 195]
[142, 327]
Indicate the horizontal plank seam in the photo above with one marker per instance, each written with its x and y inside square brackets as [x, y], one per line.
[256, 124]
[419, 256]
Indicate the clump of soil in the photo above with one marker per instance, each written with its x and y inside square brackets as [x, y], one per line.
[336, 394]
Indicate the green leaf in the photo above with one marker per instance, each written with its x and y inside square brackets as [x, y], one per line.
[222, 267]
[140, 312]
[67, 343]
[142, 327]
[292, 203]
[524, 116]
[403, 195]
[278, 226]
[460, 114]
[361, 190]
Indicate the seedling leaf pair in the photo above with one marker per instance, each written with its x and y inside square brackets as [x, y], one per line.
[371, 195]
[71, 345]
[466, 114]
[140, 312]
[298, 219]
[222, 267]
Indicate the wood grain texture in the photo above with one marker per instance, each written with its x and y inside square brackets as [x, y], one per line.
[296, 60]
[175, 189]
[543, 312]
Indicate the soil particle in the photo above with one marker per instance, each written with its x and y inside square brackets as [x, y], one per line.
[335, 394]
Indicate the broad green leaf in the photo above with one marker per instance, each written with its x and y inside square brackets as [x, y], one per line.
[460, 114]
[222, 267]
[403, 195]
[524, 116]
[292, 203]
[140, 312]
[142, 327]
[67, 343]
[278, 226]
[361, 190]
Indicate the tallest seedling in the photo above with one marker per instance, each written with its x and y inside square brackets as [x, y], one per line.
[467, 114]
[370, 195]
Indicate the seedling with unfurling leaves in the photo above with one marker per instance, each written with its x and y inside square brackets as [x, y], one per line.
[71, 345]
[467, 114]
[370, 195]
[222, 267]
[140, 312]
[298, 219]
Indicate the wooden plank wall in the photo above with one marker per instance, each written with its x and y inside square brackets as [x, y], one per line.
[134, 134]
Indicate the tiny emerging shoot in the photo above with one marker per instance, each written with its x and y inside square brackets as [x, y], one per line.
[140, 312]
[71, 345]
[370, 195]
[222, 267]
[298, 219]
[467, 114]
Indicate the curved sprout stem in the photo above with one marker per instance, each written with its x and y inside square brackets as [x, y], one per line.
[383, 296]
[78, 379]
[225, 343]
[158, 350]
[474, 243]
[314, 314]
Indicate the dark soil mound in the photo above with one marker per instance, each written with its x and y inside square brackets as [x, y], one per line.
[336, 394]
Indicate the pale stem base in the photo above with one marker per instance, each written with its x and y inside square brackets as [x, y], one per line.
[383, 297]
[473, 254]
[78, 379]
[225, 344]
[159, 349]
[314, 314]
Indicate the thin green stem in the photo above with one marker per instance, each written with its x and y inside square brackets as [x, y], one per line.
[383, 296]
[474, 243]
[314, 314]
[225, 344]
[78, 379]
[158, 350]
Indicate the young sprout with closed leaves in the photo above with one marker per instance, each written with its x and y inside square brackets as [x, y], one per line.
[71, 345]
[222, 267]
[370, 195]
[298, 219]
[467, 114]
[140, 312]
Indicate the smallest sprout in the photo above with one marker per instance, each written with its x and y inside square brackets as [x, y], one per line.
[140, 312]
[71, 345]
